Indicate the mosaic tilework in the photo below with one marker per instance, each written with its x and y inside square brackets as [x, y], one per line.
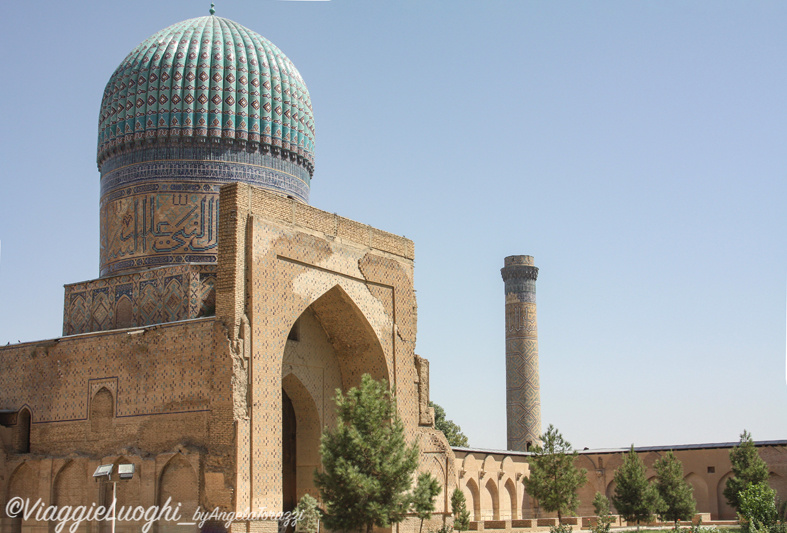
[523, 396]
[207, 78]
[155, 225]
[161, 212]
[204, 79]
[153, 296]
[194, 169]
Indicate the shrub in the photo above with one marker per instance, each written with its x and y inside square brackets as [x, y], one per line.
[758, 508]
[560, 528]
[601, 507]
[309, 515]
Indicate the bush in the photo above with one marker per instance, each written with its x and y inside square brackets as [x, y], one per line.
[560, 528]
[699, 528]
[601, 507]
[758, 511]
[309, 515]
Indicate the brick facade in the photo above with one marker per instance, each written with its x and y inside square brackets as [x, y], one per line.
[305, 303]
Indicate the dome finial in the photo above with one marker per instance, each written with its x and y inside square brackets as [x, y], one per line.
[212, 8]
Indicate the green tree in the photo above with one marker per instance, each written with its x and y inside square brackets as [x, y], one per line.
[676, 493]
[601, 508]
[426, 489]
[451, 430]
[554, 480]
[747, 469]
[758, 507]
[368, 465]
[635, 499]
[308, 515]
[459, 510]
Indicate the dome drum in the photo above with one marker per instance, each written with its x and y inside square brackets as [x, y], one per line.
[110, 155]
[200, 104]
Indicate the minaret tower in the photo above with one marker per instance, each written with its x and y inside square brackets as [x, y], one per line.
[523, 394]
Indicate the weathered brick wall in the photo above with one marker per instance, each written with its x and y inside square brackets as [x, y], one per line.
[280, 260]
[147, 394]
[197, 405]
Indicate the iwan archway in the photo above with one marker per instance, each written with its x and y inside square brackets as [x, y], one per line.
[329, 347]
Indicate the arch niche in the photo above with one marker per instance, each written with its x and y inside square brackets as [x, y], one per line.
[23, 420]
[490, 503]
[70, 489]
[700, 490]
[508, 506]
[178, 482]
[23, 485]
[726, 511]
[330, 346]
[102, 410]
[473, 498]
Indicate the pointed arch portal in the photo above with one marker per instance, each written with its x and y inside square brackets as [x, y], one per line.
[329, 347]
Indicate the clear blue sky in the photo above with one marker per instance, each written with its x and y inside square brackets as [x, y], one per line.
[636, 149]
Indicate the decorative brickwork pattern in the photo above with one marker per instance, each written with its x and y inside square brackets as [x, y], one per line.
[156, 392]
[350, 289]
[523, 394]
[306, 302]
[144, 298]
[164, 369]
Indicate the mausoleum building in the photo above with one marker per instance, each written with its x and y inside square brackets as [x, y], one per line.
[227, 311]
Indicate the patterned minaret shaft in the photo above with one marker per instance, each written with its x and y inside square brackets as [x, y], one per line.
[523, 396]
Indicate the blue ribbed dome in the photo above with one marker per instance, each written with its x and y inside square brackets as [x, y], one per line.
[199, 105]
[208, 78]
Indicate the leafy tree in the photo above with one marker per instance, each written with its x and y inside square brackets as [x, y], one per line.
[459, 510]
[424, 494]
[634, 498]
[451, 430]
[747, 469]
[554, 480]
[308, 511]
[758, 507]
[368, 465]
[601, 508]
[676, 493]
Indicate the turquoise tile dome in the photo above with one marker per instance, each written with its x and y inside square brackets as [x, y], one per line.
[208, 78]
[200, 104]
